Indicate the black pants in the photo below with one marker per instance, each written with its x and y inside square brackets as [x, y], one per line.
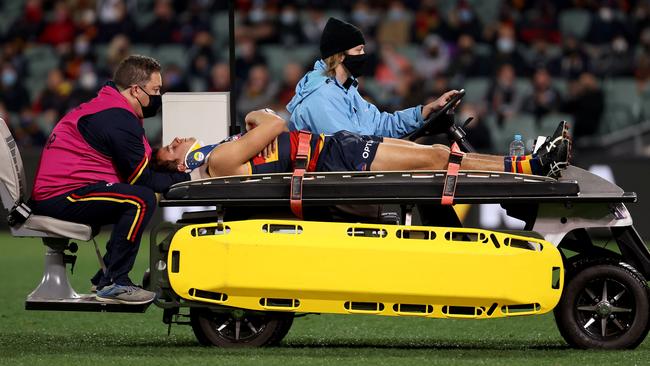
[129, 208]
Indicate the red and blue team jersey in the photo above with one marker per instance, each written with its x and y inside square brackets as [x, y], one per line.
[282, 161]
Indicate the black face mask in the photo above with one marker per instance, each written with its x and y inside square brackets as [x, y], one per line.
[356, 64]
[155, 102]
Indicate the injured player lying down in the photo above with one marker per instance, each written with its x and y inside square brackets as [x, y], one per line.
[268, 147]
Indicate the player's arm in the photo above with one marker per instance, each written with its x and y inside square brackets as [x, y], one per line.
[263, 127]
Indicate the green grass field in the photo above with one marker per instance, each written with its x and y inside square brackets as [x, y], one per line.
[69, 338]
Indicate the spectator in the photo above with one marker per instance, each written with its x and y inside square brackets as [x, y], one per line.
[5, 115]
[433, 58]
[55, 96]
[289, 27]
[13, 53]
[219, 78]
[605, 25]
[390, 66]
[502, 97]
[12, 92]
[544, 98]
[163, 28]
[540, 24]
[313, 27]
[428, 20]
[174, 79]
[30, 134]
[259, 91]
[409, 90]
[466, 63]
[202, 55]
[258, 25]
[463, 20]
[613, 59]
[478, 134]
[291, 75]
[574, 61]
[248, 57]
[113, 20]
[439, 85]
[61, 29]
[541, 55]
[640, 20]
[118, 50]
[585, 103]
[506, 50]
[395, 27]
[79, 54]
[642, 73]
[30, 24]
[85, 88]
[85, 20]
[364, 16]
[194, 21]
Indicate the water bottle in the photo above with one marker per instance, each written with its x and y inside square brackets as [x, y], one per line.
[517, 147]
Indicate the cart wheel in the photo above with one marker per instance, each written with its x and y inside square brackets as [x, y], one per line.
[282, 331]
[605, 305]
[238, 328]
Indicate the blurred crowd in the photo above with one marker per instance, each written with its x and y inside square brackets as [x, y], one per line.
[450, 43]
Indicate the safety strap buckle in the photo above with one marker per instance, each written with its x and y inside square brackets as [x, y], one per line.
[19, 214]
[300, 166]
[451, 177]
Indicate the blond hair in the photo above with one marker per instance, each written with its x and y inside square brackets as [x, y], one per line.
[331, 63]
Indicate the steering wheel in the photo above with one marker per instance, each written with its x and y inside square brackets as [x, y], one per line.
[431, 126]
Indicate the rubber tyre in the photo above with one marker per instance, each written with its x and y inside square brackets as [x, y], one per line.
[196, 327]
[269, 328]
[283, 330]
[588, 273]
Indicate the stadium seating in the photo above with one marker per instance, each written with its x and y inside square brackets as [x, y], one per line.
[475, 89]
[622, 104]
[522, 124]
[575, 22]
[41, 59]
[549, 122]
[278, 56]
[170, 54]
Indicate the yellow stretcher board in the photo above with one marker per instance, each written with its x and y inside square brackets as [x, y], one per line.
[345, 268]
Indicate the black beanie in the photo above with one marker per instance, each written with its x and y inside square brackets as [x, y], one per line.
[339, 36]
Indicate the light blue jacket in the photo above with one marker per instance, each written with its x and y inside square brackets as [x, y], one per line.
[322, 105]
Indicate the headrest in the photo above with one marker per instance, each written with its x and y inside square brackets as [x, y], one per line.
[12, 174]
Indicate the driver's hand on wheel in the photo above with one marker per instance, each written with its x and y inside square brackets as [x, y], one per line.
[438, 103]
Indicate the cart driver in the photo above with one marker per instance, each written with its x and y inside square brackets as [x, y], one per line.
[327, 99]
[268, 147]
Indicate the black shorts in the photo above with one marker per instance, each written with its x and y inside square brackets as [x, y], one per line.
[347, 151]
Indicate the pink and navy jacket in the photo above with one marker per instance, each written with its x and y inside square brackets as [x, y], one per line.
[101, 140]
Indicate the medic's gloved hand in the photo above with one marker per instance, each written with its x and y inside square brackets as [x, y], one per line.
[199, 173]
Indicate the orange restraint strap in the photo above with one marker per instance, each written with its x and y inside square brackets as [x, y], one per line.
[451, 178]
[300, 165]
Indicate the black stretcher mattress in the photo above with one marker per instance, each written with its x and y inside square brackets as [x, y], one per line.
[378, 187]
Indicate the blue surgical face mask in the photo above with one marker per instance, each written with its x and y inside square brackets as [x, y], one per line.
[9, 78]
